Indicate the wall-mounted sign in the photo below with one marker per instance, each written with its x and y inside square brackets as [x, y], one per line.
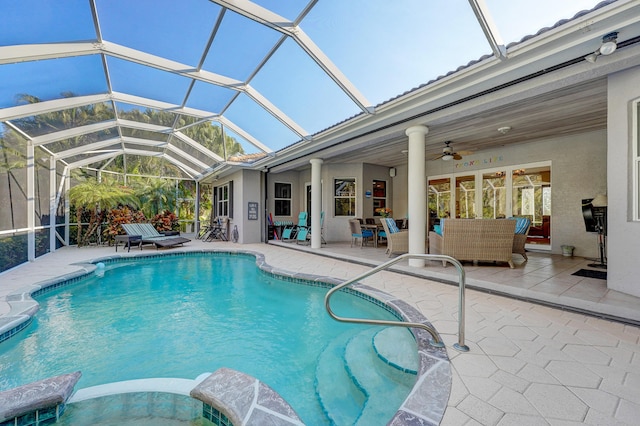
[479, 162]
[252, 211]
[367, 194]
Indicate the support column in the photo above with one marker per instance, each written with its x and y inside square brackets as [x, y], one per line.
[67, 207]
[196, 225]
[417, 192]
[316, 202]
[53, 197]
[31, 202]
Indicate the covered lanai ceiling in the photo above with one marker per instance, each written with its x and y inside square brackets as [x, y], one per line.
[207, 86]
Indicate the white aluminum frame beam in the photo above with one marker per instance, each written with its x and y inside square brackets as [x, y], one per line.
[284, 26]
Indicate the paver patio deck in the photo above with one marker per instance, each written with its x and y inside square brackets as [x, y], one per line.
[529, 364]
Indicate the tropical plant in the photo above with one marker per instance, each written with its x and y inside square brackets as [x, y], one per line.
[165, 221]
[119, 216]
[97, 198]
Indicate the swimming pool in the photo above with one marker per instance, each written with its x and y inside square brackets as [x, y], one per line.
[159, 337]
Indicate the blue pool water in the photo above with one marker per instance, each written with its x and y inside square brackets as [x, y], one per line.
[181, 316]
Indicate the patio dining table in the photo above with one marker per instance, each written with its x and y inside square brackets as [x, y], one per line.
[375, 228]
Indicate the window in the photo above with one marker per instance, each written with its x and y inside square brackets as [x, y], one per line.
[282, 199]
[379, 196]
[345, 196]
[223, 200]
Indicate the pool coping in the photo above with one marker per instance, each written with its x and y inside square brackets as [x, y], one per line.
[426, 402]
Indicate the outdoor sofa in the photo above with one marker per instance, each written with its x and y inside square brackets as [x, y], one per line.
[474, 240]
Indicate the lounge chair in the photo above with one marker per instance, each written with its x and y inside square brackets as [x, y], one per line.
[290, 233]
[304, 234]
[150, 235]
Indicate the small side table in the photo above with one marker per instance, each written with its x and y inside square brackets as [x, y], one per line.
[128, 240]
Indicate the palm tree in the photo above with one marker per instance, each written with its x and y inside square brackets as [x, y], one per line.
[156, 195]
[97, 198]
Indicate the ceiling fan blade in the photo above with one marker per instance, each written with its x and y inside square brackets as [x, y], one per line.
[465, 152]
[437, 157]
[457, 156]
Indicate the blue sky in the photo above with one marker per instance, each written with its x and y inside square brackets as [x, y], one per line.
[385, 48]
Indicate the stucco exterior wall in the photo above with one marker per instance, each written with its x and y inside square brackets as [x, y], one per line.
[624, 233]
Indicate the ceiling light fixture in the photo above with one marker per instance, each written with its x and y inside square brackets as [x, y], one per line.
[504, 130]
[447, 157]
[608, 46]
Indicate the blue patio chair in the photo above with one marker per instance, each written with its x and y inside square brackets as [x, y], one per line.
[357, 233]
[290, 233]
[304, 235]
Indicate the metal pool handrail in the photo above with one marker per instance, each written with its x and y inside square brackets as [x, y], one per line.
[435, 340]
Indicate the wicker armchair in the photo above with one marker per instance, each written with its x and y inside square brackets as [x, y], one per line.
[523, 225]
[398, 241]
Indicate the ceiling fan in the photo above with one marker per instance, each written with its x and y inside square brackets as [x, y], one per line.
[448, 154]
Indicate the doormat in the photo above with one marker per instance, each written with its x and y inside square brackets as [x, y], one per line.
[602, 275]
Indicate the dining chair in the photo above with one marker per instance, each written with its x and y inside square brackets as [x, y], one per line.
[357, 233]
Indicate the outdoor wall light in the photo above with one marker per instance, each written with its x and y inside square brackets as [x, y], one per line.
[609, 45]
[504, 130]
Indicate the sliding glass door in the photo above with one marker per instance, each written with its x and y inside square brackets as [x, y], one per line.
[522, 190]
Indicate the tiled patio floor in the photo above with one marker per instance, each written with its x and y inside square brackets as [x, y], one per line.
[529, 364]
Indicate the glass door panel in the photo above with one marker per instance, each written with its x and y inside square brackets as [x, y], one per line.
[439, 200]
[532, 199]
[466, 197]
[494, 195]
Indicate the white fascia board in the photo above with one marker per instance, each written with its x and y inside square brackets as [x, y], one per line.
[38, 52]
[188, 170]
[253, 141]
[73, 132]
[95, 159]
[186, 156]
[38, 108]
[186, 139]
[84, 148]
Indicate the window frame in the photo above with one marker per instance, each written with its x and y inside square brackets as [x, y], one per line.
[351, 196]
[284, 201]
[223, 205]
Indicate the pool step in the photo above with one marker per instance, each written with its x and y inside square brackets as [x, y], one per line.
[345, 374]
[340, 399]
[384, 375]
